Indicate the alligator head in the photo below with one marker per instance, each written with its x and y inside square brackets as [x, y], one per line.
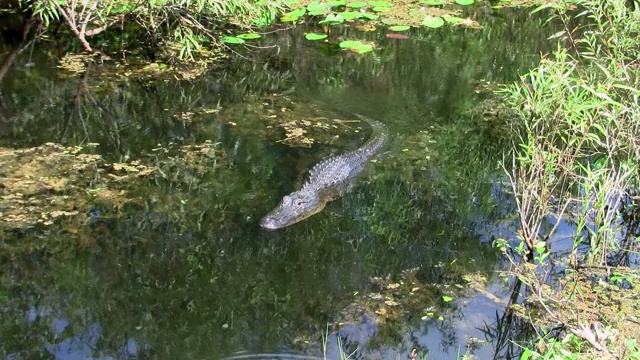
[293, 208]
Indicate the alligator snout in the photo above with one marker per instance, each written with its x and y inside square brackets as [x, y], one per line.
[269, 223]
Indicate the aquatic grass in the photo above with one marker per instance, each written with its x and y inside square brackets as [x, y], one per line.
[575, 151]
[578, 144]
[325, 341]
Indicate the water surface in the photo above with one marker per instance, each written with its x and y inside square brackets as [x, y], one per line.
[183, 270]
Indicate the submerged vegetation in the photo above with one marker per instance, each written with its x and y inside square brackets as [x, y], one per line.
[575, 160]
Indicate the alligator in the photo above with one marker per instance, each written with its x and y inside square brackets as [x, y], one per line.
[328, 179]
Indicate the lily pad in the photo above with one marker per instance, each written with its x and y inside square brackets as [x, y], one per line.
[388, 21]
[357, 4]
[356, 46]
[399, 28]
[332, 19]
[432, 2]
[433, 21]
[232, 40]
[316, 5]
[314, 37]
[416, 13]
[337, 3]
[381, 8]
[351, 15]
[452, 19]
[464, 2]
[287, 18]
[249, 36]
[298, 12]
[364, 48]
[293, 15]
[316, 8]
[350, 44]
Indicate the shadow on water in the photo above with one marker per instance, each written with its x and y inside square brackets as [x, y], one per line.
[181, 269]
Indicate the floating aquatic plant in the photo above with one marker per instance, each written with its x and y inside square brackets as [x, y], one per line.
[351, 15]
[294, 15]
[357, 4]
[332, 19]
[400, 28]
[433, 21]
[315, 37]
[452, 19]
[317, 8]
[356, 46]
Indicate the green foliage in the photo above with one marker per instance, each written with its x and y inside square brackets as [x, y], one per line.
[555, 350]
[293, 16]
[44, 10]
[189, 24]
[578, 142]
[193, 21]
[575, 149]
[633, 349]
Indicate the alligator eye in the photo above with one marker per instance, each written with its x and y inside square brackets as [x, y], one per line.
[299, 203]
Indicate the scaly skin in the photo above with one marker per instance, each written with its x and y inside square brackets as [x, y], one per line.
[328, 179]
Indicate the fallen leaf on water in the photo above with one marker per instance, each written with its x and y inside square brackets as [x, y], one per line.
[397, 36]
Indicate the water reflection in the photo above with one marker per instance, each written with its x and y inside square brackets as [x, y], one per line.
[181, 268]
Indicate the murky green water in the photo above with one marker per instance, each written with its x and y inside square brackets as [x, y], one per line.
[181, 269]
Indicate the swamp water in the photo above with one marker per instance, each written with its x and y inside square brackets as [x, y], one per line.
[130, 207]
